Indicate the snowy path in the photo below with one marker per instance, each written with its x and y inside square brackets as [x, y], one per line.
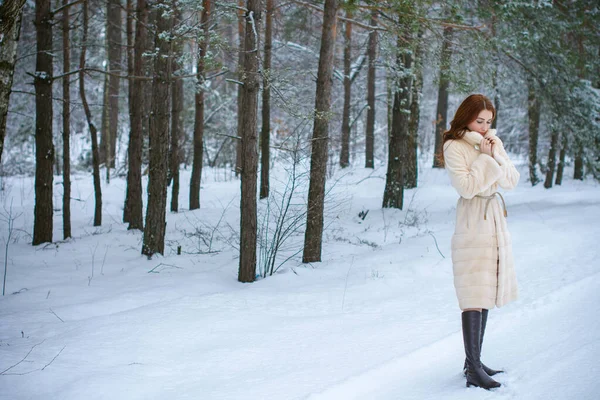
[377, 319]
[552, 350]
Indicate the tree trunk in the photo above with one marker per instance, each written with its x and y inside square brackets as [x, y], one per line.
[133, 200]
[345, 150]
[370, 136]
[551, 159]
[561, 160]
[578, 164]
[148, 69]
[533, 108]
[247, 270]
[113, 42]
[9, 36]
[66, 135]
[131, 16]
[154, 230]
[88, 115]
[105, 131]
[265, 133]
[238, 144]
[496, 96]
[44, 149]
[199, 119]
[393, 196]
[176, 116]
[320, 139]
[411, 173]
[441, 120]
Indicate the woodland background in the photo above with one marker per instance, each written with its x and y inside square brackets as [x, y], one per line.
[140, 90]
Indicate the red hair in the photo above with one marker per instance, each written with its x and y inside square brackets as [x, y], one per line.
[466, 113]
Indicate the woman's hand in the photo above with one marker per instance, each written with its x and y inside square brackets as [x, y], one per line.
[487, 146]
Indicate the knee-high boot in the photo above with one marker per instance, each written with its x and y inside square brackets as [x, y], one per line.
[471, 327]
[488, 370]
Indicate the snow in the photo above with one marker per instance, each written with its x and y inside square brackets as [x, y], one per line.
[377, 319]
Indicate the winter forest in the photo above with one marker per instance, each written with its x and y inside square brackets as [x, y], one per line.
[244, 199]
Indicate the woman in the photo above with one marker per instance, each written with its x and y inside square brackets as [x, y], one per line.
[484, 274]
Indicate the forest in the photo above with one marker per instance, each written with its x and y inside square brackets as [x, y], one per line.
[140, 90]
[245, 199]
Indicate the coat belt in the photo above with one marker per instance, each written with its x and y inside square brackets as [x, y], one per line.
[487, 203]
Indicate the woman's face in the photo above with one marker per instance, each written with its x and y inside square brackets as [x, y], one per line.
[482, 123]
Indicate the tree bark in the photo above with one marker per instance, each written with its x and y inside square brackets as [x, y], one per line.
[105, 128]
[345, 150]
[66, 134]
[412, 165]
[199, 118]
[393, 196]
[250, 89]
[370, 136]
[238, 143]
[148, 69]
[265, 133]
[133, 199]
[561, 160]
[496, 96]
[578, 164]
[114, 44]
[320, 138]
[10, 12]
[88, 115]
[551, 159]
[154, 230]
[176, 116]
[44, 149]
[131, 16]
[533, 108]
[441, 121]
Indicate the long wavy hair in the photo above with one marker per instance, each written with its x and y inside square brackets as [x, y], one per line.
[466, 113]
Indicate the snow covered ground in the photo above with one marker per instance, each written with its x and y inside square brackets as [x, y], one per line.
[90, 318]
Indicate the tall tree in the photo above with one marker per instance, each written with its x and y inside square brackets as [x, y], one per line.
[411, 172]
[133, 199]
[176, 114]
[154, 229]
[199, 118]
[114, 45]
[551, 165]
[441, 120]
[238, 143]
[533, 109]
[66, 119]
[265, 132]
[105, 126]
[320, 139]
[88, 115]
[578, 162]
[561, 160]
[44, 149]
[345, 150]
[10, 26]
[370, 136]
[249, 162]
[393, 196]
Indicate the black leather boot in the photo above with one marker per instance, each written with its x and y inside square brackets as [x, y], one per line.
[471, 327]
[488, 370]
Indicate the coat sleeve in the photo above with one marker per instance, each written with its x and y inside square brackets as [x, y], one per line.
[470, 180]
[510, 176]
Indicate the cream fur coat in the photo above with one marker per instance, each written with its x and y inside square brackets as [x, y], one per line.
[484, 274]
